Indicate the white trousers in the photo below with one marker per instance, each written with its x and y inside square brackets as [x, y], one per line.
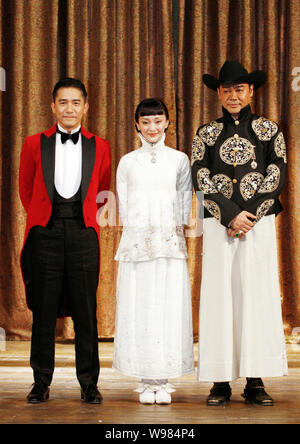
[240, 328]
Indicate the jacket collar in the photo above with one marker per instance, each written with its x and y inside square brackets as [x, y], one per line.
[49, 132]
[244, 114]
[149, 147]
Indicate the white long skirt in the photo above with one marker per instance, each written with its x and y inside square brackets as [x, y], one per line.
[240, 328]
[154, 332]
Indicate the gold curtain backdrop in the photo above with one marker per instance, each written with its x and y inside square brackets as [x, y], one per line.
[124, 51]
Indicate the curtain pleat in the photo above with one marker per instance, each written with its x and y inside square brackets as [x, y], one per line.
[124, 51]
[290, 220]
[262, 34]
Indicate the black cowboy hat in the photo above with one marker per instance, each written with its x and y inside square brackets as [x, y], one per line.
[234, 72]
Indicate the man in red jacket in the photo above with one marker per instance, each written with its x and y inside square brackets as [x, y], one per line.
[61, 172]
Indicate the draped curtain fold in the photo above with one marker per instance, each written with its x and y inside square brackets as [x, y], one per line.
[124, 51]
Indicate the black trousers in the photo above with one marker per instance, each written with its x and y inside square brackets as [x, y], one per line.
[65, 253]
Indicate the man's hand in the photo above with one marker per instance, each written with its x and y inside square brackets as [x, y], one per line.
[241, 222]
[233, 233]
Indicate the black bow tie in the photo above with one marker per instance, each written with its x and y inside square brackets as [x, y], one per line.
[66, 136]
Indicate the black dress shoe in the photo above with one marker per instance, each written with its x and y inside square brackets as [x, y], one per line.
[39, 393]
[91, 395]
[254, 393]
[219, 394]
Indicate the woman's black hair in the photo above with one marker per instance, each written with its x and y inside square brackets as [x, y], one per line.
[151, 107]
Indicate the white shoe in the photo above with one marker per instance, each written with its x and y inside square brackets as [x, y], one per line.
[162, 395]
[147, 395]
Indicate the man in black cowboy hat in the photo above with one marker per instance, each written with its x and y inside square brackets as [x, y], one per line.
[239, 163]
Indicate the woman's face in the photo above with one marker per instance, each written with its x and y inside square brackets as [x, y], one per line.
[152, 128]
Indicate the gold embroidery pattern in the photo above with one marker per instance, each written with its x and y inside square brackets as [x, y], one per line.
[223, 184]
[250, 184]
[271, 180]
[198, 149]
[204, 182]
[263, 208]
[264, 129]
[210, 132]
[213, 208]
[236, 151]
[280, 148]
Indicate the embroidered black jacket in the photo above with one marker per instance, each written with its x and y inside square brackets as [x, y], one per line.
[239, 165]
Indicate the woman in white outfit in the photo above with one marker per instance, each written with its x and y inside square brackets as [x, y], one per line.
[154, 335]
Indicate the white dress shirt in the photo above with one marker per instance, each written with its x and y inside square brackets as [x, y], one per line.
[68, 164]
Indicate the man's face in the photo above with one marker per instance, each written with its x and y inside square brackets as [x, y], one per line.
[69, 107]
[235, 97]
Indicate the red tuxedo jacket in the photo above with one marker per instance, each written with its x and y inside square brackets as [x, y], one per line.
[36, 185]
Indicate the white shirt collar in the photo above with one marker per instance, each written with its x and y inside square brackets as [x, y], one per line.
[64, 131]
[147, 146]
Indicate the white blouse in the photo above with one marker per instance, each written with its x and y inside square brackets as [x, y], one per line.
[154, 189]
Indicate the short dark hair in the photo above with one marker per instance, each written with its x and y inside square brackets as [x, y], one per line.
[69, 82]
[151, 107]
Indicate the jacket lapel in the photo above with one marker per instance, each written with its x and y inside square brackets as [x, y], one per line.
[88, 162]
[48, 162]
